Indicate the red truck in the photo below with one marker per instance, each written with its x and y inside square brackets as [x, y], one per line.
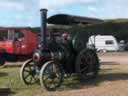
[17, 44]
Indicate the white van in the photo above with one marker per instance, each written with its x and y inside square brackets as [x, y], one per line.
[103, 42]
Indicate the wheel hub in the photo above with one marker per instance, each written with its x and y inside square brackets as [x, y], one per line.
[32, 72]
[52, 76]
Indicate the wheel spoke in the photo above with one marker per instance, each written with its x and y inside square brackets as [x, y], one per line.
[30, 68]
[82, 70]
[31, 79]
[27, 76]
[46, 78]
[26, 70]
[53, 68]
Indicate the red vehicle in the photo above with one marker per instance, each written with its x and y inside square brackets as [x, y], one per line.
[17, 44]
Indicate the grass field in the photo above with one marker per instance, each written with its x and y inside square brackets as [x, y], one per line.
[112, 77]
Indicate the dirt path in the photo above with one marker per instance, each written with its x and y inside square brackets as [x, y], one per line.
[114, 58]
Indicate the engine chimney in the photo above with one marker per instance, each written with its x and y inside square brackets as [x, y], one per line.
[43, 28]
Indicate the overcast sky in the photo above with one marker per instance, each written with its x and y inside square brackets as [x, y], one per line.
[26, 12]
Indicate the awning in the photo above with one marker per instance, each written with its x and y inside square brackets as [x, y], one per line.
[65, 19]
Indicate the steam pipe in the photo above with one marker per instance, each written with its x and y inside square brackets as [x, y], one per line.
[43, 28]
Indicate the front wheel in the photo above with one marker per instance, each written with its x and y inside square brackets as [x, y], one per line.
[28, 72]
[51, 75]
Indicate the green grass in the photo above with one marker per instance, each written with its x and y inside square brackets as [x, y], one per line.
[9, 78]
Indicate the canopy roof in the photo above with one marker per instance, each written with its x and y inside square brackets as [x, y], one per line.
[65, 19]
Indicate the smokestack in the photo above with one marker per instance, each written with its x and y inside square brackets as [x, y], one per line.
[43, 28]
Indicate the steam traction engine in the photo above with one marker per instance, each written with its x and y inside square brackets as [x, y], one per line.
[57, 55]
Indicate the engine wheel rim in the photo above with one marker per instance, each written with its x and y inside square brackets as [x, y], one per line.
[51, 76]
[28, 73]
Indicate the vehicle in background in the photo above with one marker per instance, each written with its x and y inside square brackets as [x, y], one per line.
[126, 47]
[103, 43]
[122, 45]
[17, 44]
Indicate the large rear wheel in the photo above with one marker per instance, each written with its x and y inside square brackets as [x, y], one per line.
[51, 75]
[87, 64]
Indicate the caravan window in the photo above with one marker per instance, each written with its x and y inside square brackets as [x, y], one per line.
[109, 42]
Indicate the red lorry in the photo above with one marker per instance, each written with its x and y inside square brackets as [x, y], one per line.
[17, 44]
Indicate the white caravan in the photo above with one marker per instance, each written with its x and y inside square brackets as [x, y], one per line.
[103, 42]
